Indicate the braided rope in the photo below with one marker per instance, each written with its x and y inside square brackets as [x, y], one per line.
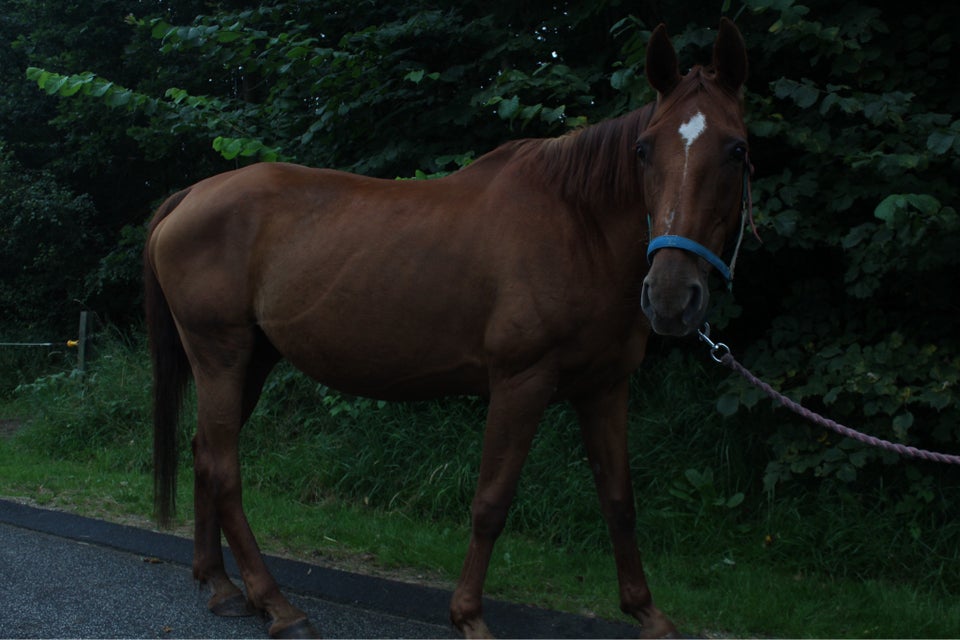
[721, 353]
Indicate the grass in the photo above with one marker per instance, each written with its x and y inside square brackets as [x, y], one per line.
[386, 488]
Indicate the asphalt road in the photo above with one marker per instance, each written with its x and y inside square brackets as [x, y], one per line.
[65, 576]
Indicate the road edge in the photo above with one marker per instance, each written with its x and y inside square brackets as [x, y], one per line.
[393, 597]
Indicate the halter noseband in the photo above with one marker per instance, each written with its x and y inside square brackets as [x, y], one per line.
[686, 244]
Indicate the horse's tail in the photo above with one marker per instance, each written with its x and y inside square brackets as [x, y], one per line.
[171, 372]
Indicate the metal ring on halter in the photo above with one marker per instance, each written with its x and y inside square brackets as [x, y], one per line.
[717, 349]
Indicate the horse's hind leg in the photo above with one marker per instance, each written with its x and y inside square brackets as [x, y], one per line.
[603, 422]
[225, 380]
[208, 564]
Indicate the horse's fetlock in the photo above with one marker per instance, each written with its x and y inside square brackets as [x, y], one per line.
[635, 599]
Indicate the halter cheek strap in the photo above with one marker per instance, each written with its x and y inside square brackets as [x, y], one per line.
[686, 244]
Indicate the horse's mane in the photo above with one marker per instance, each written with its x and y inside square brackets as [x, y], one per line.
[594, 165]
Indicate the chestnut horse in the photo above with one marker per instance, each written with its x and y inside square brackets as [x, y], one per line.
[520, 278]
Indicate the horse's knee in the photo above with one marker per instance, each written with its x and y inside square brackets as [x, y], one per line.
[488, 517]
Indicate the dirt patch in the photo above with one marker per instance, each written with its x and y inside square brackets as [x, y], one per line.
[9, 426]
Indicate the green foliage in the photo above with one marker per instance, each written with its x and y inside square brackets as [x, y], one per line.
[178, 113]
[698, 490]
[101, 414]
[45, 250]
[366, 74]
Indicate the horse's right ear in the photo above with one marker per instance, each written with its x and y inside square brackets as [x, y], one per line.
[730, 56]
[663, 69]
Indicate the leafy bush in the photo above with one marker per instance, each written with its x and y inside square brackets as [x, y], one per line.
[45, 251]
[863, 198]
[105, 412]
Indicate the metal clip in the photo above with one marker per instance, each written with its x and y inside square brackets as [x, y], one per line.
[717, 349]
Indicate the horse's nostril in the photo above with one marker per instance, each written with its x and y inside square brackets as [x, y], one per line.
[694, 303]
[645, 303]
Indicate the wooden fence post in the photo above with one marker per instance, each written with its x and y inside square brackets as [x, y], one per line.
[82, 344]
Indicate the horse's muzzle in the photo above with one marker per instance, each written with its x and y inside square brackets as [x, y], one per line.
[674, 306]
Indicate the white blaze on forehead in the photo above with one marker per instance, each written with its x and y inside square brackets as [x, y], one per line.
[693, 129]
[689, 131]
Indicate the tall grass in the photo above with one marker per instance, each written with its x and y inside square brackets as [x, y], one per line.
[312, 457]
[23, 365]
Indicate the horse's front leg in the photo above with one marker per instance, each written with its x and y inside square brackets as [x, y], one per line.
[516, 406]
[219, 504]
[603, 422]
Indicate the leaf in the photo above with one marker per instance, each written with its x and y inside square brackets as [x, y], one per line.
[940, 142]
[53, 83]
[73, 85]
[621, 78]
[695, 478]
[229, 148]
[226, 37]
[415, 77]
[889, 207]
[509, 108]
[728, 404]
[118, 97]
[553, 115]
[804, 94]
[847, 473]
[298, 52]
[902, 424]
[529, 113]
[251, 148]
[925, 203]
[100, 89]
[859, 458]
[833, 454]
[735, 500]
[160, 30]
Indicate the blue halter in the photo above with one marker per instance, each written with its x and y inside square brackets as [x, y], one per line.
[686, 244]
[679, 242]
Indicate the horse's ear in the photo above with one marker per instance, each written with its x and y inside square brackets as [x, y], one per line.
[730, 56]
[663, 70]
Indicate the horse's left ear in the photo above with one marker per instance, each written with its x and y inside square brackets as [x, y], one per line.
[730, 56]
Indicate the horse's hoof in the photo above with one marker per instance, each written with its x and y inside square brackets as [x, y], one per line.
[234, 605]
[475, 629]
[299, 629]
[660, 632]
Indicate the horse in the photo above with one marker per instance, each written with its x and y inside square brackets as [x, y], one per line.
[533, 275]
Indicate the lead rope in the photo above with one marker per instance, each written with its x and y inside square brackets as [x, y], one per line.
[721, 355]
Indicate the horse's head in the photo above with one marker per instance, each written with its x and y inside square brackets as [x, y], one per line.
[694, 163]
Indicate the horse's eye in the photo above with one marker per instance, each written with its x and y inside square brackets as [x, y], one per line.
[739, 152]
[642, 151]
